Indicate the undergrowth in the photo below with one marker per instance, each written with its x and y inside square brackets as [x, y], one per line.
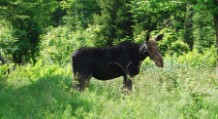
[186, 88]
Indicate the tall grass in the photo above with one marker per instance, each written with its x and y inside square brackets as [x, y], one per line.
[186, 88]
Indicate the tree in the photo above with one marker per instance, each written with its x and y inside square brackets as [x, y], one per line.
[216, 23]
[212, 7]
[28, 19]
[188, 36]
[79, 13]
[115, 19]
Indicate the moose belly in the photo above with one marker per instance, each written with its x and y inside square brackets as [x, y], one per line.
[105, 75]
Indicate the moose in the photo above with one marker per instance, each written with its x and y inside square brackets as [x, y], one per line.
[107, 63]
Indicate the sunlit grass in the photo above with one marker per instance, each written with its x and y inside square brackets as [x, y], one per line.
[177, 91]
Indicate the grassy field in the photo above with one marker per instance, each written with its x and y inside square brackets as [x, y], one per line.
[185, 88]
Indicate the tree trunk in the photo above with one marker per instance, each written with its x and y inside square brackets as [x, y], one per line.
[188, 27]
[216, 28]
[2, 59]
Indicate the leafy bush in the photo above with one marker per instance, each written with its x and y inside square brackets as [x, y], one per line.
[207, 58]
[92, 36]
[6, 37]
[57, 45]
[140, 38]
[3, 74]
[172, 42]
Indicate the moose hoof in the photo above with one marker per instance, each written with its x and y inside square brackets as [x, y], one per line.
[126, 90]
[128, 85]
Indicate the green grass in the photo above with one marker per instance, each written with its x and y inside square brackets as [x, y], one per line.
[180, 90]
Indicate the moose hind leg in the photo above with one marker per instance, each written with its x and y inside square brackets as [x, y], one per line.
[81, 81]
[76, 81]
[127, 84]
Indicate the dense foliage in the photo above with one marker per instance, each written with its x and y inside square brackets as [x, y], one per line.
[37, 38]
[24, 24]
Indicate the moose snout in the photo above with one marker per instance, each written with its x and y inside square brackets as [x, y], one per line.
[159, 62]
[161, 65]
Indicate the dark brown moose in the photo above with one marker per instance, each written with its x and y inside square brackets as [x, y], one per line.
[123, 59]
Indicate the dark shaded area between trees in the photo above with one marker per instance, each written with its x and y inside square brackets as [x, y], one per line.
[31, 30]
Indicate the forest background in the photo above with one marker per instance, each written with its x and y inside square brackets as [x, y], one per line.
[37, 38]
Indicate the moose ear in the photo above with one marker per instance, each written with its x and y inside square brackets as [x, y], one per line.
[147, 37]
[158, 37]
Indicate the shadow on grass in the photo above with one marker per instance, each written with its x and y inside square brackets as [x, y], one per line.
[48, 97]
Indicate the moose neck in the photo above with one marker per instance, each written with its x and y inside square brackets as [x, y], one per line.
[143, 51]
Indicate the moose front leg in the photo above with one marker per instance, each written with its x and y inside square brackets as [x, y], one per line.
[127, 84]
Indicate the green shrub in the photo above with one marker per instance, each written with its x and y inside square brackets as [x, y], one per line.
[140, 38]
[6, 38]
[57, 45]
[194, 58]
[3, 75]
[172, 42]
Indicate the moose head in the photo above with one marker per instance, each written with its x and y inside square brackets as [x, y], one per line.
[150, 47]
